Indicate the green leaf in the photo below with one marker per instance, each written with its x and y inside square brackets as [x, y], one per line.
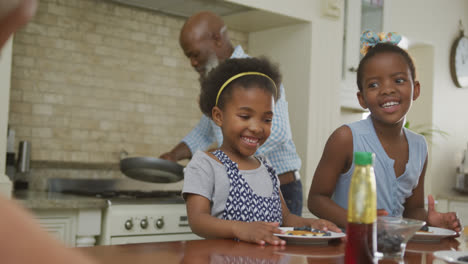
[428, 131]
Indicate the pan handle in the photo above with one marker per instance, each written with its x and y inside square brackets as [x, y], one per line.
[123, 154]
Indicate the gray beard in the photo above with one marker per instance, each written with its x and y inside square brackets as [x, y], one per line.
[212, 63]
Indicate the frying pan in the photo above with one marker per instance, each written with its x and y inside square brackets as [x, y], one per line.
[152, 169]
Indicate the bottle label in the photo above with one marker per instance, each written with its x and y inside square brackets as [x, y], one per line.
[362, 199]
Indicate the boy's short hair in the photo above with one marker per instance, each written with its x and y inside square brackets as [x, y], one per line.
[384, 48]
[231, 67]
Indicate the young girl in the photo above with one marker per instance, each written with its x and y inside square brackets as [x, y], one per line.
[387, 87]
[230, 193]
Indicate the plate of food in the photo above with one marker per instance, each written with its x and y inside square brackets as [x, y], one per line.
[458, 257]
[430, 233]
[307, 235]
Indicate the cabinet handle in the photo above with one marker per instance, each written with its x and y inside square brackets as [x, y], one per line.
[352, 69]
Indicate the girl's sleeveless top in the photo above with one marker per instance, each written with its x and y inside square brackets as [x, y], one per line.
[243, 204]
[391, 191]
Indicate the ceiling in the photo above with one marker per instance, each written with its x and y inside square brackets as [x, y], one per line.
[185, 8]
[235, 16]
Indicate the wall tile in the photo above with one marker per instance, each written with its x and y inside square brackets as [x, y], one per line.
[91, 78]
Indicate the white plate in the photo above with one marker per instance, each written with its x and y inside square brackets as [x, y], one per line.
[451, 256]
[308, 239]
[311, 255]
[434, 234]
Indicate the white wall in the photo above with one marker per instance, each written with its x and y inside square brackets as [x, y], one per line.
[5, 70]
[303, 9]
[295, 68]
[421, 113]
[325, 82]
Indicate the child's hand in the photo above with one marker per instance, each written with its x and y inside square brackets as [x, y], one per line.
[323, 224]
[444, 220]
[382, 212]
[259, 232]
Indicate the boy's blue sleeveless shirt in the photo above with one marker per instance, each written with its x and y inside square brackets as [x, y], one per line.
[391, 191]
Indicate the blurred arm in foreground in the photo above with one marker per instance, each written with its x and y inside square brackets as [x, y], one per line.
[22, 238]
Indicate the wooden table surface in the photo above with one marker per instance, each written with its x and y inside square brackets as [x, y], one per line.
[229, 251]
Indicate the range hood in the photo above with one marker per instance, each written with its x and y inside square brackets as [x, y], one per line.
[186, 8]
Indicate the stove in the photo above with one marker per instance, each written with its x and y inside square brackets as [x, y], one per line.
[143, 223]
[137, 197]
[137, 211]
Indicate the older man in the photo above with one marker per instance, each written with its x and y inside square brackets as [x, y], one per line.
[205, 42]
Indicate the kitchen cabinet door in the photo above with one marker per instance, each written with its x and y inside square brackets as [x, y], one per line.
[59, 223]
[76, 228]
[461, 208]
[454, 204]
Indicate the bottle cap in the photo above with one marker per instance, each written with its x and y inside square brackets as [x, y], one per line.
[363, 158]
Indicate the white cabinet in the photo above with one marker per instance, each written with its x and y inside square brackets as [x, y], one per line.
[59, 223]
[359, 16]
[461, 208]
[73, 227]
[454, 204]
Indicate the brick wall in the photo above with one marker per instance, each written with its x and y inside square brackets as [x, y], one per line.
[91, 78]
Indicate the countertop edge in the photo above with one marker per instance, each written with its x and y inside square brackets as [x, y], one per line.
[52, 200]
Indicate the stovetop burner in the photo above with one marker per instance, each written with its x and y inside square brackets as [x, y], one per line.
[121, 191]
[125, 194]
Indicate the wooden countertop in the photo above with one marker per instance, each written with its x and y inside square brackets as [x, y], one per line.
[52, 200]
[229, 251]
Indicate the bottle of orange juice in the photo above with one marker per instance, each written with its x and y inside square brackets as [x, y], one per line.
[361, 230]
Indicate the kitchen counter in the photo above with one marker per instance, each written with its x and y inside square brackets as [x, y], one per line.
[52, 200]
[454, 197]
[75, 220]
[230, 251]
[455, 202]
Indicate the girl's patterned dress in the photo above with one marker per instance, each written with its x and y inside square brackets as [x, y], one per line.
[245, 205]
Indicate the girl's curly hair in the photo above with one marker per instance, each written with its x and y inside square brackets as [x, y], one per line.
[218, 76]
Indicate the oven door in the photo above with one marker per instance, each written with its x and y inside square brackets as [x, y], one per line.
[145, 223]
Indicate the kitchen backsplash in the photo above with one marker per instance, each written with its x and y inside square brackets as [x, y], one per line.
[91, 78]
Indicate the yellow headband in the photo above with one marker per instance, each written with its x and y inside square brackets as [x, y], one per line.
[240, 75]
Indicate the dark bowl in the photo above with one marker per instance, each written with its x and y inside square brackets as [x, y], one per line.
[393, 233]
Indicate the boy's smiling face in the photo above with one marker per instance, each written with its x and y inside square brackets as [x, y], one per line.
[388, 88]
[245, 120]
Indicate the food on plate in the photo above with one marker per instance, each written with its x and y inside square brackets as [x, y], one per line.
[304, 233]
[388, 243]
[424, 228]
[307, 231]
